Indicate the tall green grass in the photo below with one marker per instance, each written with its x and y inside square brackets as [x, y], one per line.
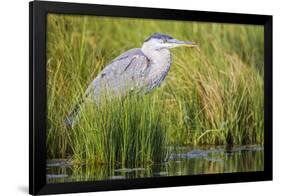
[211, 96]
[131, 132]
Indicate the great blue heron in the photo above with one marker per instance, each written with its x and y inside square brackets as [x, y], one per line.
[138, 69]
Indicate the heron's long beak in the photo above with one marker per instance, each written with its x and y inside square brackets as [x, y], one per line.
[182, 43]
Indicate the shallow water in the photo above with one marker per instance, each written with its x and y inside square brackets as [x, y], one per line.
[184, 161]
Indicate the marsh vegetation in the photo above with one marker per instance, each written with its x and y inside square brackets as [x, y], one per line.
[211, 96]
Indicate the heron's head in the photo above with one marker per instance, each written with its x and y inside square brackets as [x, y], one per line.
[159, 41]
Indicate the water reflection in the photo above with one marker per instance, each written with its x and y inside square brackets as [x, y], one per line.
[183, 161]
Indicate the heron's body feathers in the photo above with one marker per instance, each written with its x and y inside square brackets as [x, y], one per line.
[124, 73]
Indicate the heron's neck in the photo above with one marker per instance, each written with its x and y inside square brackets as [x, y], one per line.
[160, 62]
[157, 57]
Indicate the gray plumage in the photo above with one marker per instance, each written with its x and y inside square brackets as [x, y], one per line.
[126, 72]
[137, 70]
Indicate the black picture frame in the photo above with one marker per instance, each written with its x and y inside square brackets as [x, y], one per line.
[38, 11]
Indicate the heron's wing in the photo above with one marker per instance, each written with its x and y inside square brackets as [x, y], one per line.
[126, 72]
[133, 58]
